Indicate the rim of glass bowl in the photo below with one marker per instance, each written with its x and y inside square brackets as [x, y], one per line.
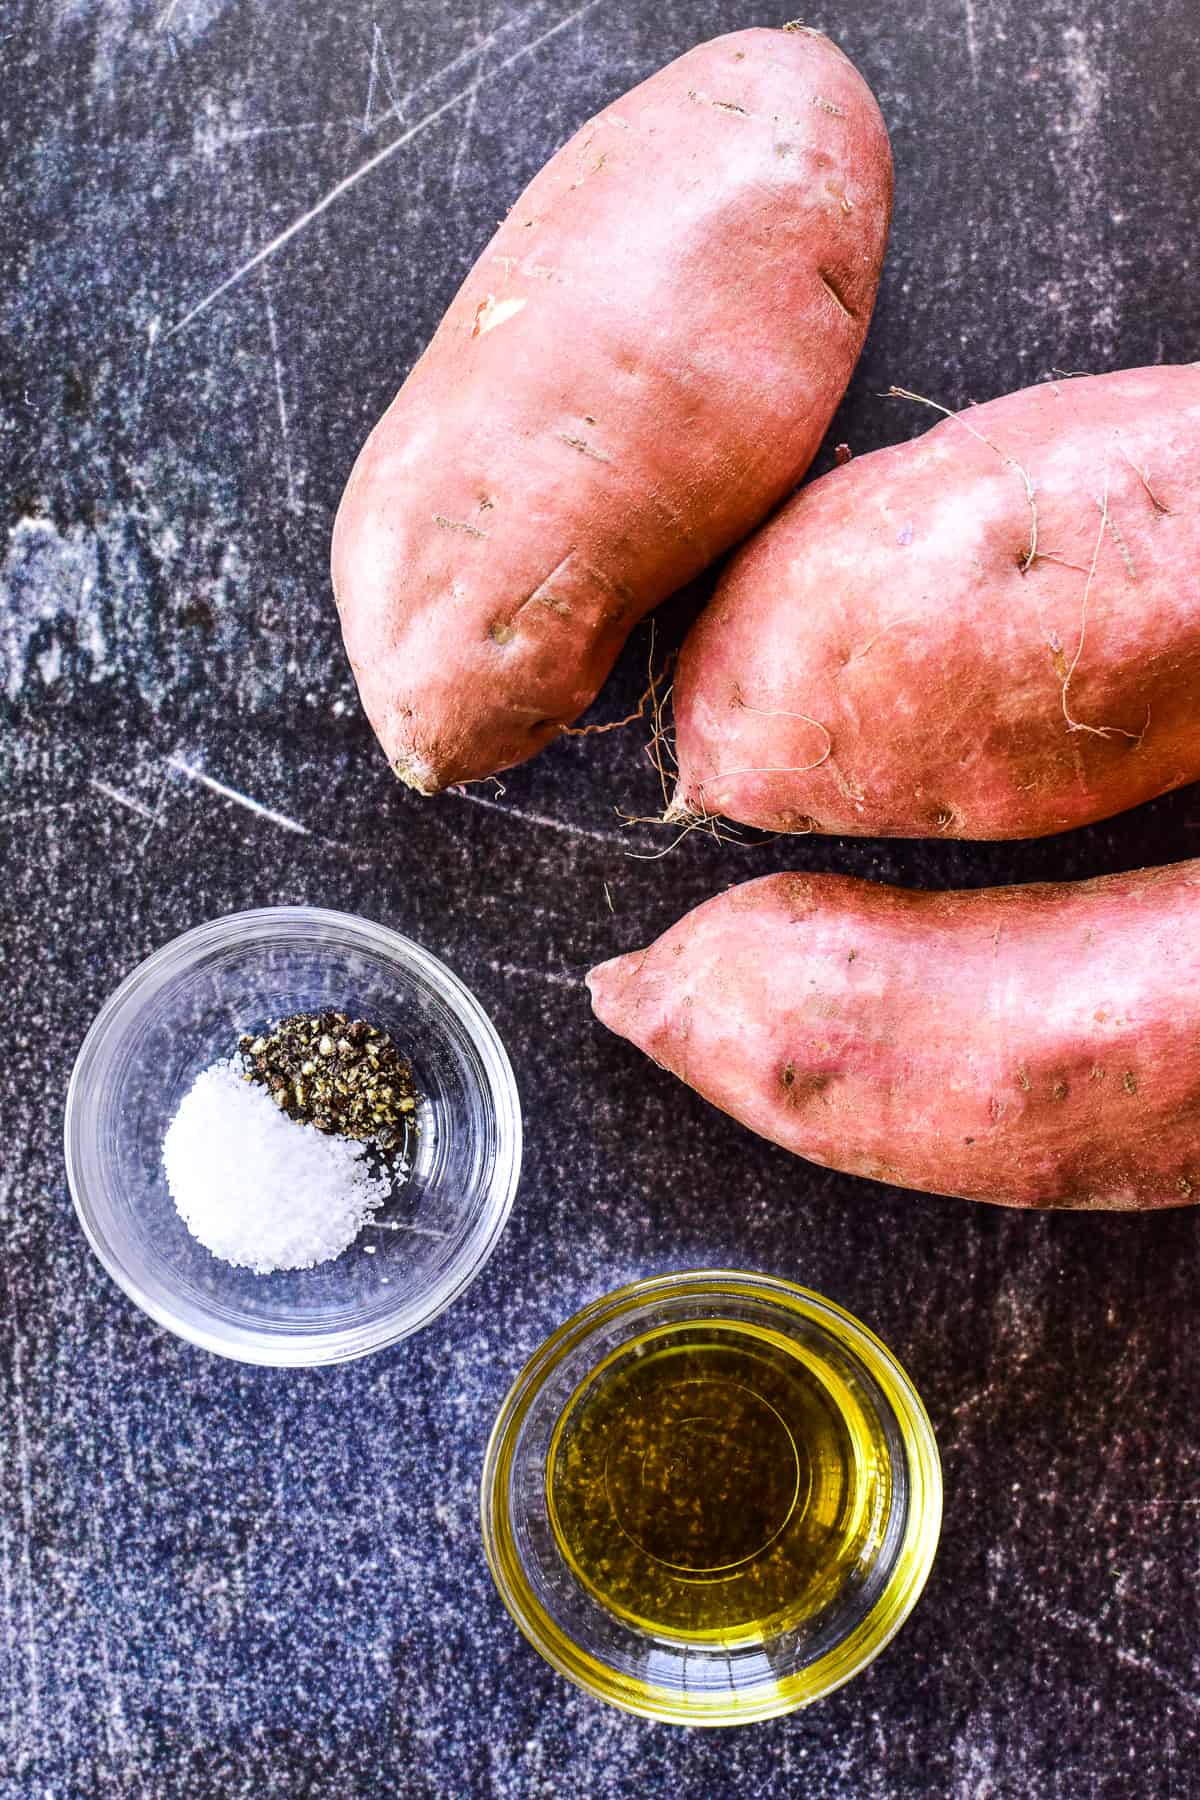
[271, 1348]
[914, 1554]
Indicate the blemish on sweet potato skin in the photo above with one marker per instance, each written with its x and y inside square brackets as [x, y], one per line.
[799, 1084]
[463, 525]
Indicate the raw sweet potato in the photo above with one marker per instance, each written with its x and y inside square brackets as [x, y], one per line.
[1033, 1046]
[639, 366]
[990, 632]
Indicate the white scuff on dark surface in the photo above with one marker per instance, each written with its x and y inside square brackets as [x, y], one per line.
[219, 1580]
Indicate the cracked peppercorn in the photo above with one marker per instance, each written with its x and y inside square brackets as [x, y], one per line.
[342, 1076]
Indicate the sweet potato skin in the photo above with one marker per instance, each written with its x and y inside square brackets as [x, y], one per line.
[1032, 1046]
[890, 646]
[641, 364]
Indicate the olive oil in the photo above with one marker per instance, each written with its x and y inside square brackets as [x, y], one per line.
[717, 1482]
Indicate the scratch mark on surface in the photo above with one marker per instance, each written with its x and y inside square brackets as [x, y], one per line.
[152, 331]
[13, 1327]
[542, 819]
[471, 53]
[116, 1731]
[120, 799]
[228, 793]
[973, 1400]
[10, 1635]
[239, 134]
[555, 977]
[280, 402]
[154, 817]
[1077, 1626]
[372, 163]
[165, 16]
[380, 71]
[463, 140]
[372, 79]
[972, 40]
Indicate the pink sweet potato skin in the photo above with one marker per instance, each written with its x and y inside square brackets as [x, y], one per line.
[1032, 1046]
[640, 365]
[884, 659]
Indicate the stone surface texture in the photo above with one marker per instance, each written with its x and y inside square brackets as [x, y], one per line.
[227, 1581]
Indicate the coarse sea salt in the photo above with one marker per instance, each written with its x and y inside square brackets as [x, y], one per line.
[258, 1189]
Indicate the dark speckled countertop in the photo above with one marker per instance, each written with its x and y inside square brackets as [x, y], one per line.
[229, 1581]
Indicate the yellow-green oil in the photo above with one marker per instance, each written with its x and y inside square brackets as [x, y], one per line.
[716, 1482]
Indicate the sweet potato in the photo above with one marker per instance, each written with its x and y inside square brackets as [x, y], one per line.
[1032, 1046]
[639, 366]
[990, 632]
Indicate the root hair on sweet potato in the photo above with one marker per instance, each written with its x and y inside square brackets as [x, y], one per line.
[1142, 476]
[658, 750]
[649, 699]
[1136, 738]
[677, 813]
[892, 625]
[774, 712]
[639, 712]
[460, 787]
[678, 810]
[660, 744]
[1060, 562]
[899, 393]
[706, 822]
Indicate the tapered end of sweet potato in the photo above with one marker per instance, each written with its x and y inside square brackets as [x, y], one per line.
[421, 776]
[621, 997]
[601, 983]
[679, 812]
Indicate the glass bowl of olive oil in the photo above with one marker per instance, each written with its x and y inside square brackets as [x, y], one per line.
[711, 1498]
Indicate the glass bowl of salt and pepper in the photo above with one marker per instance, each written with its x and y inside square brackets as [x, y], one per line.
[292, 1136]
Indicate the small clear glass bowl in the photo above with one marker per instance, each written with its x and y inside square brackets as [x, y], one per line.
[691, 1678]
[184, 1008]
